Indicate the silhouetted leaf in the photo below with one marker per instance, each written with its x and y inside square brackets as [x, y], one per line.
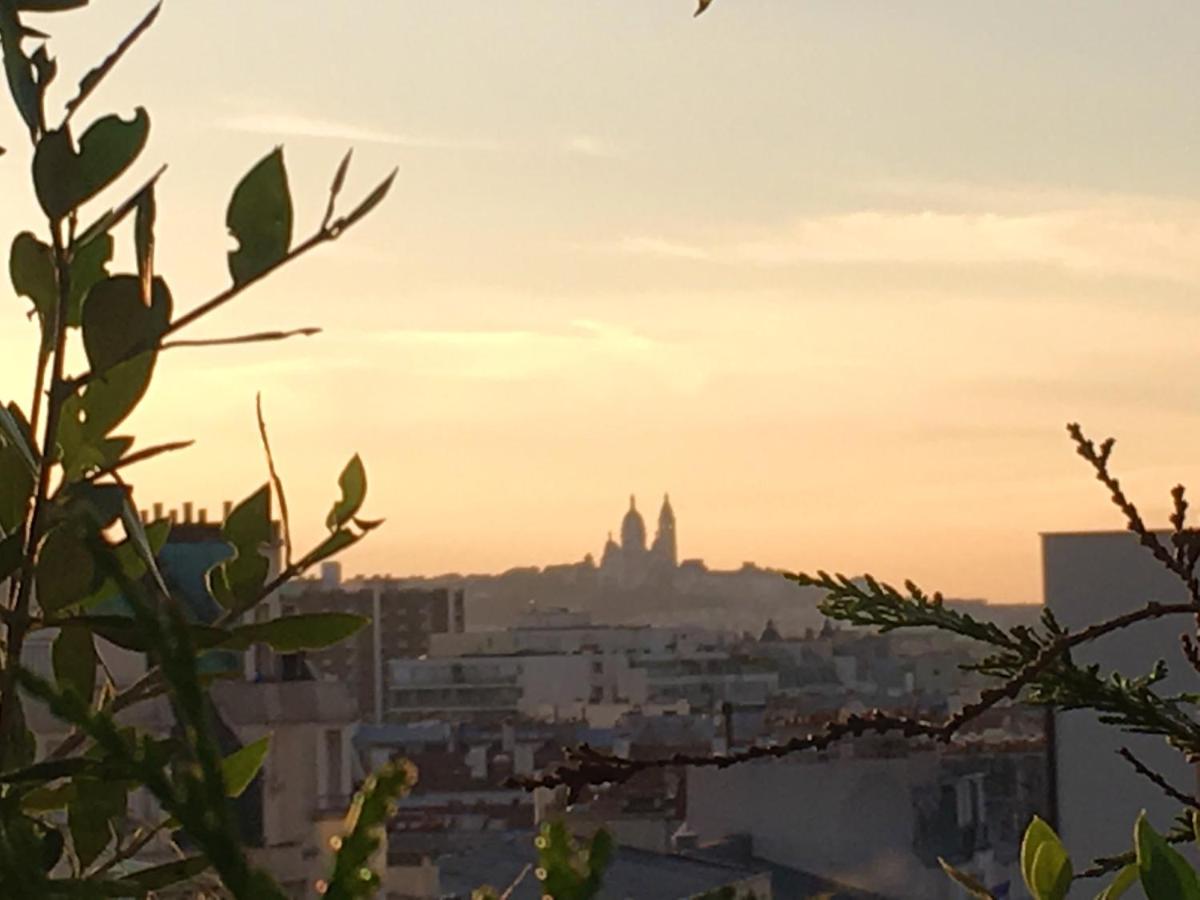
[11, 553]
[260, 219]
[127, 558]
[335, 543]
[353, 482]
[16, 488]
[289, 634]
[74, 656]
[239, 768]
[31, 268]
[238, 581]
[371, 201]
[18, 69]
[89, 814]
[124, 632]
[117, 324]
[704, 4]
[48, 6]
[1164, 873]
[65, 179]
[14, 432]
[65, 570]
[143, 233]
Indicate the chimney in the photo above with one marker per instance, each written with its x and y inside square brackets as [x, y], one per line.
[202, 516]
[228, 508]
[158, 511]
[173, 515]
[187, 512]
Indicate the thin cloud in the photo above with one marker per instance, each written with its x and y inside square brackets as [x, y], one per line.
[290, 125]
[593, 146]
[1101, 240]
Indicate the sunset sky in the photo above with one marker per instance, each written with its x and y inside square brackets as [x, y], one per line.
[834, 273]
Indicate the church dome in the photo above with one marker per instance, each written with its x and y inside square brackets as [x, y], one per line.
[633, 528]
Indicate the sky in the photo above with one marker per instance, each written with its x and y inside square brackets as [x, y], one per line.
[835, 274]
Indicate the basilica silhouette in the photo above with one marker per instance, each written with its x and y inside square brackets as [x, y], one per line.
[631, 563]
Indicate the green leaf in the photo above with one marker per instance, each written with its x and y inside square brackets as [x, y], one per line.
[1044, 862]
[89, 814]
[143, 237]
[260, 219]
[66, 572]
[1165, 875]
[14, 432]
[117, 325]
[238, 581]
[65, 179]
[18, 68]
[11, 554]
[74, 656]
[129, 559]
[371, 201]
[44, 799]
[240, 767]
[124, 632]
[353, 482]
[289, 634]
[1126, 878]
[335, 543]
[156, 878]
[968, 883]
[31, 268]
[16, 487]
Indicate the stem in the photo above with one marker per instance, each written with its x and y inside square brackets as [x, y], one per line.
[19, 626]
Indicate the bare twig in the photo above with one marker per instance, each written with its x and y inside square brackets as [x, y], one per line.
[1157, 779]
[276, 482]
[586, 766]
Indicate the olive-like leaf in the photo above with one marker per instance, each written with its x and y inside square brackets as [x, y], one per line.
[31, 269]
[238, 581]
[289, 634]
[90, 814]
[239, 768]
[1163, 871]
[353, 482]
[65, 570]
[1045, 865]
[260, 219]
[1126, 878]
[64, 179]
[74, 657]
[968, 883]
[117, 325]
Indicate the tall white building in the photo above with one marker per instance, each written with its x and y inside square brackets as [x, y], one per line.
[1090, 577]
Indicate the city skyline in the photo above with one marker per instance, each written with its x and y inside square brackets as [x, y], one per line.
[839, 294]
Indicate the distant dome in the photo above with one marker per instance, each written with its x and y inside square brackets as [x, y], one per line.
[633, 528]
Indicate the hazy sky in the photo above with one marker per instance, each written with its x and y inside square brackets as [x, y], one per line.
[835, 274]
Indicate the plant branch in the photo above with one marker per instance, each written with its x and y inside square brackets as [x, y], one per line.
[589, 767]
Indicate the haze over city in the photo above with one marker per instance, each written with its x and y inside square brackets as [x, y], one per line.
[836, 280]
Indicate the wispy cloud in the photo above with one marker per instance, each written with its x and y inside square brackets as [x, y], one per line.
[594, 146]
[291, 125]
[582, 350]
[1104, 239]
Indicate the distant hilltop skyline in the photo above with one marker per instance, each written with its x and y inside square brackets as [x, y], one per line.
[630, 562]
